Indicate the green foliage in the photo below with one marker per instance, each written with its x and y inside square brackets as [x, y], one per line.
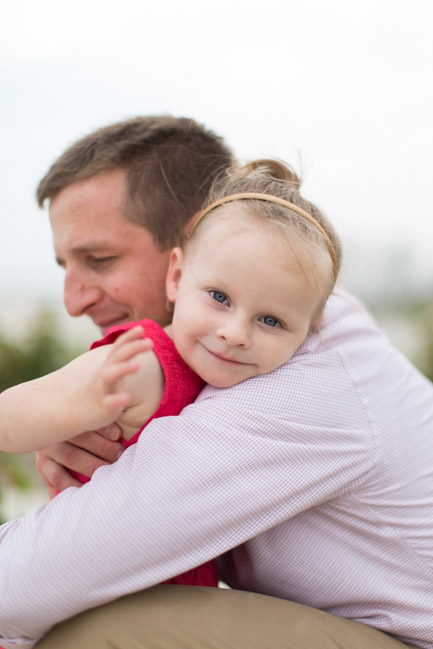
[40, 353]
[415, 317]
[422, 315]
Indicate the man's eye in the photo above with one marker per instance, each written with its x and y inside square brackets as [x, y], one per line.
[270, 321]
[218, 296]
[100, 261]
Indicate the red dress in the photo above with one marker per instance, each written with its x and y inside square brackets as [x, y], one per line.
[182, 386]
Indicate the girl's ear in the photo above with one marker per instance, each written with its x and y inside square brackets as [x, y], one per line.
[174, 273]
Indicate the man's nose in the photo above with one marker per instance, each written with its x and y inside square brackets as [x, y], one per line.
[235, 331]
[79, 295]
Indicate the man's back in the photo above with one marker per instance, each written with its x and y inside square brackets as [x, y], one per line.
[353, 483]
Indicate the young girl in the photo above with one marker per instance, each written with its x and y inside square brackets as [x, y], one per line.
[248, 286]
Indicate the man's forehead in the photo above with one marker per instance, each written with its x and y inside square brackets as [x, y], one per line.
[90, 205]
[105, 185]
[89, 231]
[79, 240]
[88, 243]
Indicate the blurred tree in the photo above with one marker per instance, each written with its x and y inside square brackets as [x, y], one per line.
[423, 315]
[413, 318]
[41, 352]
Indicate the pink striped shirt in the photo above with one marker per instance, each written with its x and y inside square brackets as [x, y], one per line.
[319, 475]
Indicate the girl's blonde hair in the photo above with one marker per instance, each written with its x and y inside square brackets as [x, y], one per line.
[285, 209]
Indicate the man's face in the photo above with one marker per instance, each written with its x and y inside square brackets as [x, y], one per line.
[114, 272]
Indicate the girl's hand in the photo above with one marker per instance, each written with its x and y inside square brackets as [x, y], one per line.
[104, 396]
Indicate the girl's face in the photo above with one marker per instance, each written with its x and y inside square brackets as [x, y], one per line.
[243, 305]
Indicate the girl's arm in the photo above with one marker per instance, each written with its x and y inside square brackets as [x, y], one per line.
[88, 393]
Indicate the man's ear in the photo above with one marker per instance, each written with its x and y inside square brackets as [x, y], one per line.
[174, 273]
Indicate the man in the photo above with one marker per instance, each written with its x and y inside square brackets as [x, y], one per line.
[233, 474]
[138, 183]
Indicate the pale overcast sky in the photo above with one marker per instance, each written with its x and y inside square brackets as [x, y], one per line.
[343, 88]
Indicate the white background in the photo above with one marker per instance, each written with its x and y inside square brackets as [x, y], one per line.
[343, 90]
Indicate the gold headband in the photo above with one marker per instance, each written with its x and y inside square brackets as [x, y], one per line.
[279, 201]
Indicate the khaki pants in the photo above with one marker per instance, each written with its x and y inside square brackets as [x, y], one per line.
[192, 617]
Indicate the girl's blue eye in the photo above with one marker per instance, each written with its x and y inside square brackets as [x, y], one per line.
[218, 296]
[270, 321]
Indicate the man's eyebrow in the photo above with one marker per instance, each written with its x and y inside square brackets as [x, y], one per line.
[84, 250]
[95, 247]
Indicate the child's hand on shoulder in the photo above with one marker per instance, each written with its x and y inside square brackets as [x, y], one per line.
[107, 390]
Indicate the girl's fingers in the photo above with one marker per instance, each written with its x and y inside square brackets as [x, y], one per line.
[120, 362]
[128, 348]
[111, 374]
[115, 403]
[136, 333]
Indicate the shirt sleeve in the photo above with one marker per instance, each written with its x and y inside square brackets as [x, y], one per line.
[232, 465]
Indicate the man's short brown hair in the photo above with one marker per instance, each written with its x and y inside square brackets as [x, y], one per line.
[170, 164]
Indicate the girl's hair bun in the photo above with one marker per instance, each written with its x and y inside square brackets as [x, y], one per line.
[271, 168]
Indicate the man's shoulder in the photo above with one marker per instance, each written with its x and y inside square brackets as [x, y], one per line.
[320, 366]
[341, 303]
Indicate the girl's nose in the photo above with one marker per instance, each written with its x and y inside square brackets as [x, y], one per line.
[235, 332]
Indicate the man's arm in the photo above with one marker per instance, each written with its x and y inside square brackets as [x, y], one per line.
[193, 487]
